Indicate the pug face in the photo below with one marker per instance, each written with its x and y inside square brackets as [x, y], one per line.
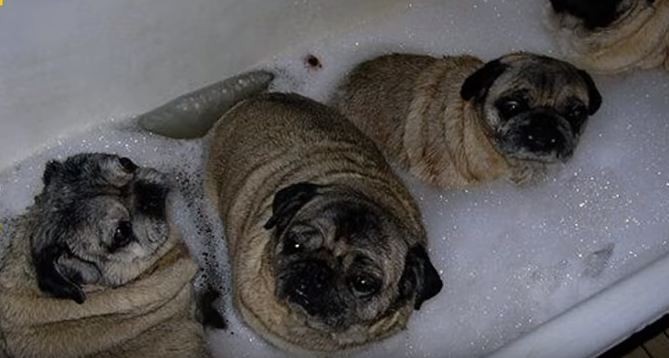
[595, 14]
[534, 107]
[99, 220]
[340, 260]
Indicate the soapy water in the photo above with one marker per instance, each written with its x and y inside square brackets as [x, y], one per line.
[511, 258]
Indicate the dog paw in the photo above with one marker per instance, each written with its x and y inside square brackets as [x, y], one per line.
[206, 312]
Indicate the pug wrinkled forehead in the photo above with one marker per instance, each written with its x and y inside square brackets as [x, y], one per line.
[98, 221]
[341, 259]
[535, 107]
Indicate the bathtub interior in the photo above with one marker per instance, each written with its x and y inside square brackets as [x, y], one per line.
[511, 258]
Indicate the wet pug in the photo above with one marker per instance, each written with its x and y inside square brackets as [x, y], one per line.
[94, 267]
[327, 246]
[611, 36]
[456, 121]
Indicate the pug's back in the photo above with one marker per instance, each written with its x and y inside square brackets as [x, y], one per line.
[272, 140]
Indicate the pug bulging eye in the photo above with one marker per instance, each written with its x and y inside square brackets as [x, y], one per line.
[128, 165]
[293, 244]
[363, 285]
[509, 108]
[122, 236]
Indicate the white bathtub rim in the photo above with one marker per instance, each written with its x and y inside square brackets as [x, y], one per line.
[624, 308]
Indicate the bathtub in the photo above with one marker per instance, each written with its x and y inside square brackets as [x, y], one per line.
[68, 64]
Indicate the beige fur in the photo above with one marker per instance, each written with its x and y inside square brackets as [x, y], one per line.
[148, 317]
[261, 146]
[410, 105]
[638, 40]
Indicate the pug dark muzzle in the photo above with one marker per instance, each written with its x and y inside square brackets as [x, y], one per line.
[306, 284]
[311, 285]
[150, 196]
[325, 308]
[540, 135]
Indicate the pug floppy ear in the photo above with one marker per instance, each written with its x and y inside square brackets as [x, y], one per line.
[477, 84]
[288, 201]
[51, 168]
[594, 97]
[61, 274]
[57, 279]
[419, 279]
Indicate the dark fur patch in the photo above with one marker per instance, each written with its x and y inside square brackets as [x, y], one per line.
[287, 202]
[150, 198]
[594, 97]
[594, 13]
[352, 219]
[128, 165]
[477, 84]
[55, 279]
[420, 279]
[207, 313]
[50, 171]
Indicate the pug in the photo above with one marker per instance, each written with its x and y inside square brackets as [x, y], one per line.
[612, 36]
[328, 250]
[95, 268]
[456, 122]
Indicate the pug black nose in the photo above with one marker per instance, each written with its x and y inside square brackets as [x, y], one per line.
[544, 138]
[311, 280]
